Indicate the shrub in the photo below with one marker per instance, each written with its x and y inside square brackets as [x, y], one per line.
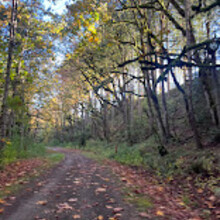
[9, 154]
[19, 148]
[202, 165]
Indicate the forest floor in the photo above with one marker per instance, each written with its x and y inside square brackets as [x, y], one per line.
[81, 188]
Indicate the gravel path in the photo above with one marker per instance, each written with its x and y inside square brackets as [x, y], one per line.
[79, 188]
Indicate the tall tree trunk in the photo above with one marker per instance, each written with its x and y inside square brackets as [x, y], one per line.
[165, 109]
[140, 93]
[83, 138]
[94, 127]
[150, 113]
[23, 125]
[189, 41]
[191, 118]
[15, 84]
[216, 86]
[4, 109]
[164, 104]
[125, 110]
[105, 121]
[167, 43]
[208, 95]
[210, 98]
[156, 105]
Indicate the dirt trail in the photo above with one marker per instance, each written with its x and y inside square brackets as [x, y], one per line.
[78, 188]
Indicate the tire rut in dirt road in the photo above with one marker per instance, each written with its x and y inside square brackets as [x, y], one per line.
[78, 189]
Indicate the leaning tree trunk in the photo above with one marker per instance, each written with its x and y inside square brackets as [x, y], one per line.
[156, 105]
[191, 118]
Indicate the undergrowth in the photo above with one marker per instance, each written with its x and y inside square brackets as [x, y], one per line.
[180, 161]
[16, 148]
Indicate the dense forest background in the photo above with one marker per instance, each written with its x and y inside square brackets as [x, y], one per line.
[137, 81]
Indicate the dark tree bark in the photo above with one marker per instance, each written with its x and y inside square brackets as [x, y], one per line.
[106, 132]
[190, 39]
[164, 105]
[156, 105]
[4, 109]
[216, 85]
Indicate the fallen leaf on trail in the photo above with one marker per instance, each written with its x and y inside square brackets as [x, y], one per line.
[63, 206]
[76, 216]
[123, 179]
[116, 210]
[40, 184]
[2, 201]
[212, 198]
[77, 181]
[144, 214]
[109, 207]
[72, 200]
[1, 211]
[112, 201]
[100, 217]
[182, 203]
[88, 206]
[159, 213]
[100, 190]
[42, 202]
[200, 190]
[117, 215]
[210, 205]
[160, 189]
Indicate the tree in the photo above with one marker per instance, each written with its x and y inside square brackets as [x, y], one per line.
[28, 37]
[12, 31]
